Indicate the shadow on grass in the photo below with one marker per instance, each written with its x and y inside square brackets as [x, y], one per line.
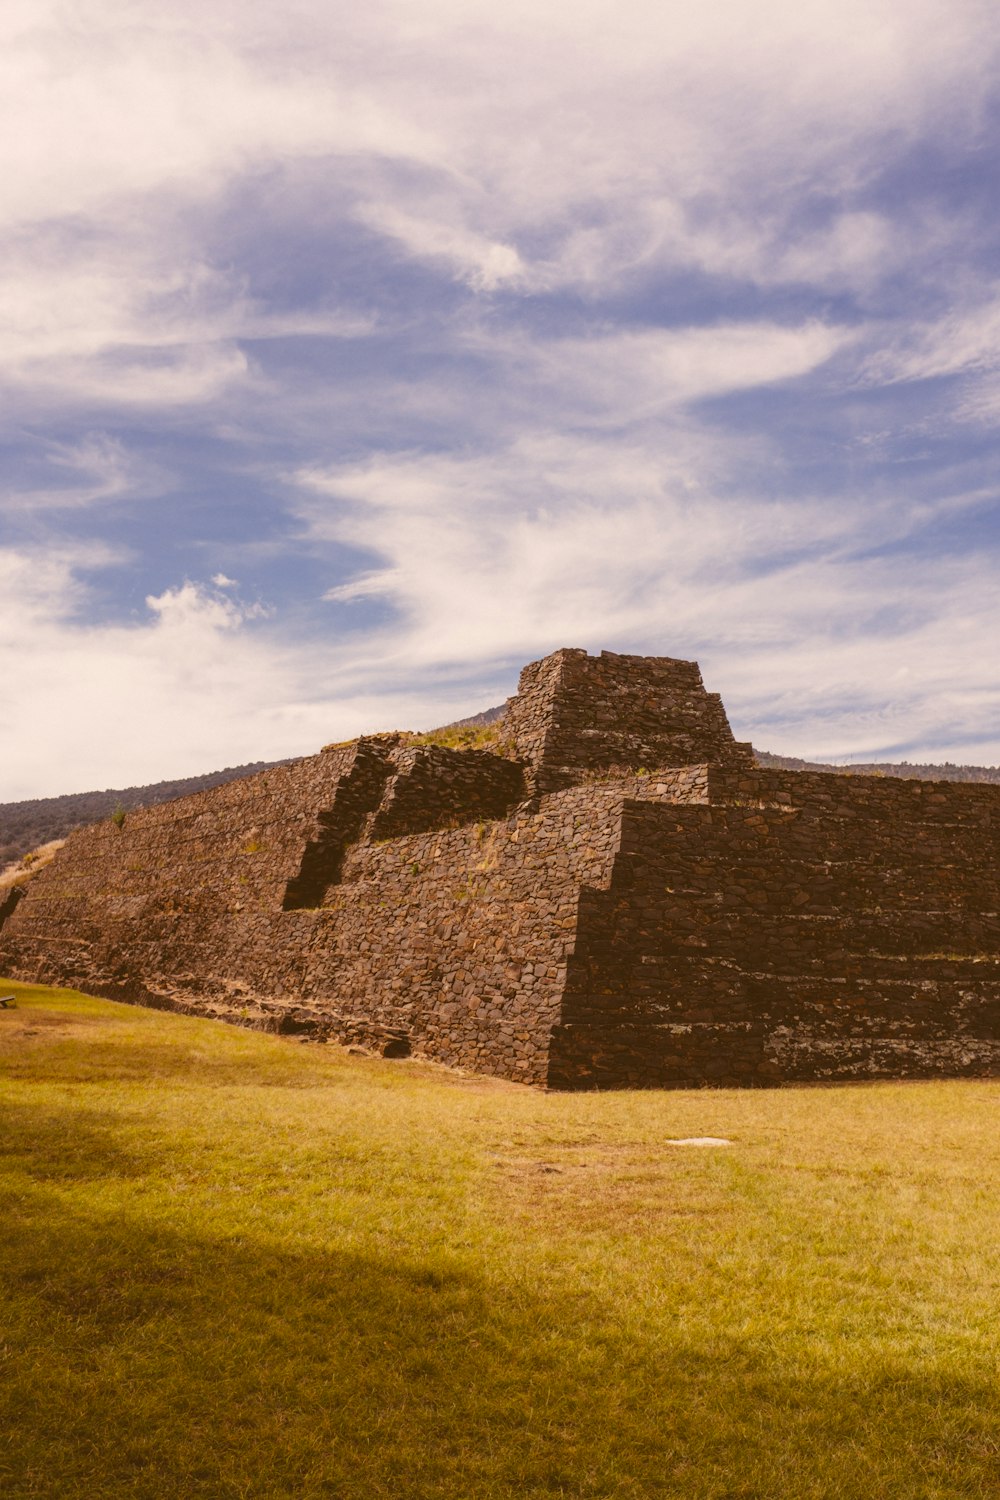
[51, 1143]
[153, 1358]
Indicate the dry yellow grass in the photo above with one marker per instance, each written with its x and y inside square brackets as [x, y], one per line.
[25, 869]
[240, 1266]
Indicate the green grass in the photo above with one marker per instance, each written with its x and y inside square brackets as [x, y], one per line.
[234, 1265]
[464, 737]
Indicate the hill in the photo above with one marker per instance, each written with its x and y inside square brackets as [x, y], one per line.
[39, 820]
[904, 769]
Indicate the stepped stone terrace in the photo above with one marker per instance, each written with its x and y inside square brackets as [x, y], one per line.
[607, 894]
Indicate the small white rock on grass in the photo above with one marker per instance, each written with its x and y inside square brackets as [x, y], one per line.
[700, 1140]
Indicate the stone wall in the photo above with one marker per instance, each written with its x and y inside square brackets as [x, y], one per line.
[577, 715]
[451, 942]
[433, 787]
[811, 927]
[587, 911]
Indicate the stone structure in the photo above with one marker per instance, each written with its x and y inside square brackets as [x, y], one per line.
[611, 895]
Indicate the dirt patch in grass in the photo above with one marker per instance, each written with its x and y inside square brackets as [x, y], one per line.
[16, 1022]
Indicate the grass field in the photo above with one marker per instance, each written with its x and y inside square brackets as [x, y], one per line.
[235, 1265]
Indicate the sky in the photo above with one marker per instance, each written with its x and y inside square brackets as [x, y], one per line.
[353, 356]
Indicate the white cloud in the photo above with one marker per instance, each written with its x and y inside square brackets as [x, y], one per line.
[524, 149]
[979, 403]
[967, 341]
[197, 683]
[120, 99]
[520, 150]
[133, 320]
[680, 134]
[677, 135]
[97, 468]
[483, 263]
[962, 348]
[630, 376]
[489, 561]
[839, 688]
[563, 542]
[145, 378]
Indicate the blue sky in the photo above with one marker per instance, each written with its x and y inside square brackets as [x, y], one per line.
[351, 357]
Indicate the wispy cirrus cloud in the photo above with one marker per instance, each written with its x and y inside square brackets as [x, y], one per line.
[458, 333]
[192, 682]
[816, 648]
[965, 341]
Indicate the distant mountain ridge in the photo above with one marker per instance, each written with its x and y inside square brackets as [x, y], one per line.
[904, 769]
[27, 825]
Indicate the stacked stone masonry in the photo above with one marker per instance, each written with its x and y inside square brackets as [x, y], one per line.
[611, 896]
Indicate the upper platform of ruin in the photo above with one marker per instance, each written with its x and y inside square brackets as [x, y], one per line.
[575, 715]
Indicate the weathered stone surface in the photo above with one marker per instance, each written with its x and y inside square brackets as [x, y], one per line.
[575, 714]
[618, 899]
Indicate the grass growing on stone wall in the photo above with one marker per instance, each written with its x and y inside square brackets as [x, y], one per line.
[234, 1265]
[464, 737]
